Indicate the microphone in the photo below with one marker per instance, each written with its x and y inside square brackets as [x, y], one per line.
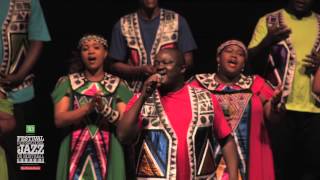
[153, 85]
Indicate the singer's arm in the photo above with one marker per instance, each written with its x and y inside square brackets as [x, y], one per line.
[262, 41]
[128, 125]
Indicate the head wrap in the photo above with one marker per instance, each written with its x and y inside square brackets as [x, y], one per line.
[93, 37]
[232, 42]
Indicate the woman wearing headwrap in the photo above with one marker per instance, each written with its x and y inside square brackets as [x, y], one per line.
[246, 102]
[90, 102]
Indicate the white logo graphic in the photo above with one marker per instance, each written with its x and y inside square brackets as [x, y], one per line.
[30, 149]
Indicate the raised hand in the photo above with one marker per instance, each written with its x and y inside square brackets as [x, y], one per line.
[97, 100]
[277, 34]
[276, 99]
[150, 85]
[88, 107]
[148, 69]
[10, 81]
[312, 62]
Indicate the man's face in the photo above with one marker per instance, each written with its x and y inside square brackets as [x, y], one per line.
[149, 4]
[301, 6]
[169, 67]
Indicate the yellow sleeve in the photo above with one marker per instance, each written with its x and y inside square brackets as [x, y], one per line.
[259, 33]
[6, 106]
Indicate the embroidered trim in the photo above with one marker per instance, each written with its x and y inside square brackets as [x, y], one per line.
[276, 18]
[130, 28]
[174, 140]
[28, 81]
[317, 49]
[167, 33]
[98, 39]
[79, 142]
[202, 116]
[15, 23]
[153, 112]
[209, 82]
[109, 82]
[110, 114]
[4, 68]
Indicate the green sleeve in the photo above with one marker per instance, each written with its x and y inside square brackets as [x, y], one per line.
[62, 88]
[123, 93]
[63, 159]
[6, 106]
[116, 166]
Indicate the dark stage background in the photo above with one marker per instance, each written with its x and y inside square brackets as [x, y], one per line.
[211, 23]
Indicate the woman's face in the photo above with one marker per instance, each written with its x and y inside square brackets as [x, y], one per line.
[93, 54]
[231, 60]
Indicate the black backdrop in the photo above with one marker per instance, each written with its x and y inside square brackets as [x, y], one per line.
[211, 23]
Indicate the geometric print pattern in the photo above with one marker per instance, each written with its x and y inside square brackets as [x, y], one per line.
[153, 155]
[166, 36]
[284, 52]
[90, 142]
[209, 82]
[235, 102]
[233, 106]
[15, 40]
[167, 33]
[157, 144]
[236, 108]
[109, 83]
[89, 151]
[200, 139]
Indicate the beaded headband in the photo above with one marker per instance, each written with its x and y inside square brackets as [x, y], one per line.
[232, 42]
[96, 38]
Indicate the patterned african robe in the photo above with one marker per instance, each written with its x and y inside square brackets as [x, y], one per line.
[282, 58]
[91, 151]
[15, 40]
[166, 37]
[243, 110]
[157, 144]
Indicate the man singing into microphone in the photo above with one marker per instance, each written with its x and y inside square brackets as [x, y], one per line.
[176, 129]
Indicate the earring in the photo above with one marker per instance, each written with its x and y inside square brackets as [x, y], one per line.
[218, 63]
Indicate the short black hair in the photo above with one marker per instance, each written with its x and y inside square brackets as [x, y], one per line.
[177, 53]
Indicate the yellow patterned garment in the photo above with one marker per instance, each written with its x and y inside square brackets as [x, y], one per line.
[6, 106]
[303, 37]
[3, 164]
